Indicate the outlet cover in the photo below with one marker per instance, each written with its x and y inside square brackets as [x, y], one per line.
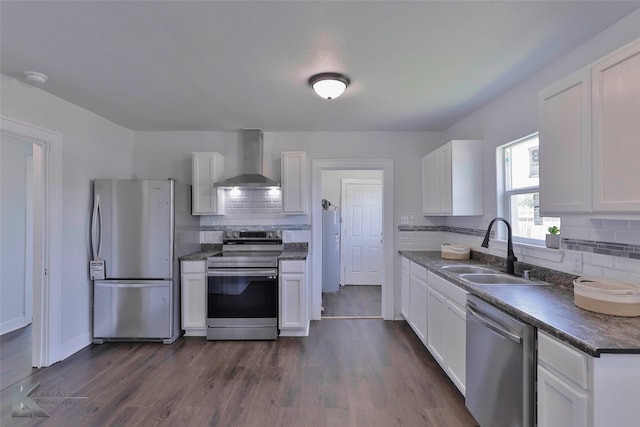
[404, 220]
[576, 262]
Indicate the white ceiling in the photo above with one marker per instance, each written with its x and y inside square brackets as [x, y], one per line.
[228, 65]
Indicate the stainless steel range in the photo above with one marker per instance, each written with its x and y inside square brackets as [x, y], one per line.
[242, 287]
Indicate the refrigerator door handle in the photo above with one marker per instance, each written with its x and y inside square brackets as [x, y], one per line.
[96, 228]
[132, 284]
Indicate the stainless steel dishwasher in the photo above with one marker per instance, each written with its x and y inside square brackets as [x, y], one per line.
[500, 368]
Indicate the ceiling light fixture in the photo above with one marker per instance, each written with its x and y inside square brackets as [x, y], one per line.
[329, 85]
[35, 77]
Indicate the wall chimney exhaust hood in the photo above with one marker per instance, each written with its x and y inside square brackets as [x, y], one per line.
[252, 154]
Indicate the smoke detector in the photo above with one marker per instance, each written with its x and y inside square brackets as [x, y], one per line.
[35, 77]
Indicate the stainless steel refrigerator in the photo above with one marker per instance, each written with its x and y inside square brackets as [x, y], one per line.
[139, 228]
[330, 250]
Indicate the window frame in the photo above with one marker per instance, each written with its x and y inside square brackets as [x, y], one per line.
[507, 193]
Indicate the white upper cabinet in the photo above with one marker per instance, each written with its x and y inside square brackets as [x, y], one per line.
[295, 182]
[207, 168]
[616, 131]
[452, 179]
[589, 127]
[565, 145]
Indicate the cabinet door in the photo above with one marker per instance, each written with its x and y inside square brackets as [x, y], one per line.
[431, 183]
[418, 308]
[295, 182]
[193, 300]
[436, 318]
[404, 293]
[292, 306]
[565, 145]
[455, 344]
[616, 126]
[445, 182]
[560, 404]
[207, 169]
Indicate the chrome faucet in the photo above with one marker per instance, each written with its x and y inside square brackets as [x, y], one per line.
[511, 257]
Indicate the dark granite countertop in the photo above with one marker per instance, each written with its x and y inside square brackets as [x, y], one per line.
[198, 256]
[548, 308]
[293, 255]
[286, 255]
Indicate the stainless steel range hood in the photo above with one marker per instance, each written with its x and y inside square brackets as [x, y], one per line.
[252, 154]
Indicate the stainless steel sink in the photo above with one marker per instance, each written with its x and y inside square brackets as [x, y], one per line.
[463, 269]
[497, 279]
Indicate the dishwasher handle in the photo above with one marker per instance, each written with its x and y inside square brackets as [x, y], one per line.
[494, 326]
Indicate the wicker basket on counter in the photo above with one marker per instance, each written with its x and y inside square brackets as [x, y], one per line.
[607, 296]
[449, 251]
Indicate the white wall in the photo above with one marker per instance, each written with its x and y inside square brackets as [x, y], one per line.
[14, 261]
[93, 147]
[514, 115]
[162, 155]
[332, 182]
[168, 154]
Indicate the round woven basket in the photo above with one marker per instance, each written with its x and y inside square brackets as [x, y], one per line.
[607, 297]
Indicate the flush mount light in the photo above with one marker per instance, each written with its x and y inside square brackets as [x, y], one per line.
[35, 77]
[329, 85]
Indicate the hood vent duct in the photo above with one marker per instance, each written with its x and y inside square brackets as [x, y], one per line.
[252, 156]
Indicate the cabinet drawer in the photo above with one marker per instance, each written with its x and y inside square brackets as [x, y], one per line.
[450, 290]
[564, 359]
[418, 271]
[292, 267]
[193, 266]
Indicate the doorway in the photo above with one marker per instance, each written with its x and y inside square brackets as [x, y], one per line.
[351, 244]
[361, 233]
[384, 169]
[16, 233]
[42, 259]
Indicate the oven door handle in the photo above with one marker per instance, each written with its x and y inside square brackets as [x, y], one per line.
[240, 272]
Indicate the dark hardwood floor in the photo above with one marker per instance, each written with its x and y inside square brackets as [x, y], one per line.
[15, 356]
[354, 301]
[346, 373]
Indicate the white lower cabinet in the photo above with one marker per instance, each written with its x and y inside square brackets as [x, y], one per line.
[435, 310]
[559, 402]
[447, 328]
[418, 301]
[437, 306]
[193, 282]
[293, 316]
[455, 343]
[405, 277]
[563, 384]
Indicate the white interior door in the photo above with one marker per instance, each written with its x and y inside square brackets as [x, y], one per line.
[362, 233]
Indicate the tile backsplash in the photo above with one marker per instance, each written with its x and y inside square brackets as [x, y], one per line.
[590, 247]
[253, 201]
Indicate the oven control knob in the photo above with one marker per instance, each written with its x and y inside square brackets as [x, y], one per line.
[269, 235]
[227, 235]
[235, 234]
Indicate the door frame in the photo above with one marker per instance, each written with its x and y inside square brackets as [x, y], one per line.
[386, 166]
[343, 204]
[47, 250]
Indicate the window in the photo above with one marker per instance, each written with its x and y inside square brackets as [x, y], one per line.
[522, 206]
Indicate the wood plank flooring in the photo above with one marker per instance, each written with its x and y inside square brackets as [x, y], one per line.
[15, 356]
[353, 300]
[346, 373]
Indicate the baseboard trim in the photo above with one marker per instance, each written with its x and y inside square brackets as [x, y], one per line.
[12, 324]
[350, 317]
[74, 345]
